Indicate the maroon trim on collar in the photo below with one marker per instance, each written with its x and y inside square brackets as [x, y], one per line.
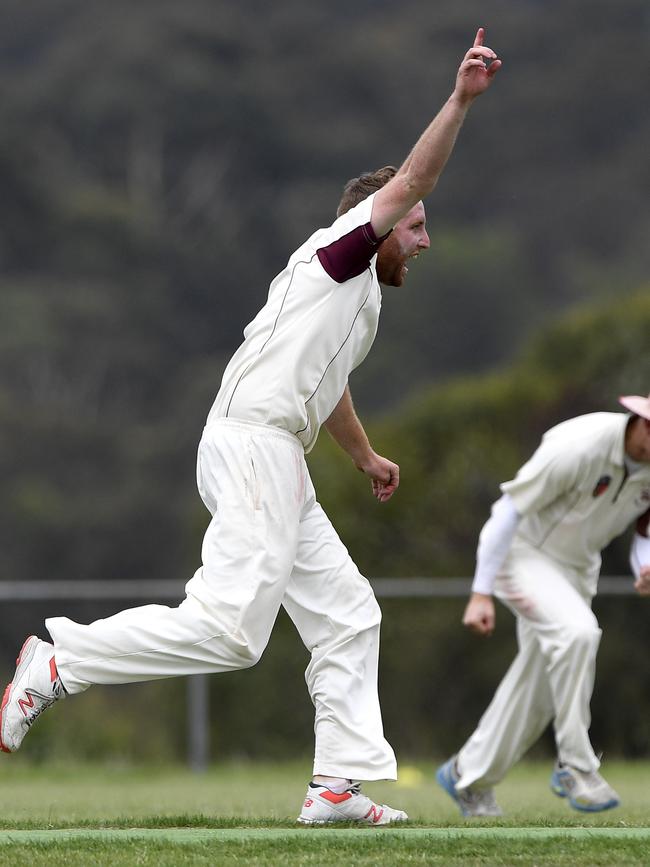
[350, 255]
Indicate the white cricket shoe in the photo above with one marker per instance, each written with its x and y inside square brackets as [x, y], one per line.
[323, 806]
[586, 790]
[36, 685]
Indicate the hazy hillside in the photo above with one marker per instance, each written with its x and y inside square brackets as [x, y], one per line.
[159, 161]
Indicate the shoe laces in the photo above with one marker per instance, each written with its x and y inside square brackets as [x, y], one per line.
[590, 779]
[594, 779]
[44, 701]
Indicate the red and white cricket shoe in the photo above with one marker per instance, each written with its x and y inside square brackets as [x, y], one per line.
[36, 686]
[323, 806]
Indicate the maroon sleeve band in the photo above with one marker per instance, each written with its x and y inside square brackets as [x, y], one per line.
[350, 255]
[643, 523]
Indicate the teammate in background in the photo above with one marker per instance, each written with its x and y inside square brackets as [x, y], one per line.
[540, 554]
[269, 542]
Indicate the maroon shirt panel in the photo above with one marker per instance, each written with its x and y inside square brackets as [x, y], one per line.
[350, 255]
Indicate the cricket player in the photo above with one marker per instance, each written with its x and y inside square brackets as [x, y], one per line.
[540, 554]
[269, 543]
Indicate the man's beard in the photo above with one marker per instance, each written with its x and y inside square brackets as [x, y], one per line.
[390, 265]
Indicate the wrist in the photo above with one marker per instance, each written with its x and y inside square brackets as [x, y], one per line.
[362, 458]
[483, 583]
[461, 101]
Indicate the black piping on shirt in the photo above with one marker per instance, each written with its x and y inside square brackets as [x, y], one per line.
[332, 359]
[275, 325]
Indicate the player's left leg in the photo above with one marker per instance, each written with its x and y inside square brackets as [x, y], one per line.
[338, 618]
[554, 601]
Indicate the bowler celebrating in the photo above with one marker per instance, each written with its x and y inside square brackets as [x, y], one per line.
[269, 543]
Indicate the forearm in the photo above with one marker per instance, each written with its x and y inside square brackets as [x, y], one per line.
[344, 427]
[420, 171]
[639, 554]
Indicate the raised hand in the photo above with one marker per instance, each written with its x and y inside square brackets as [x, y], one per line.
[477, 70]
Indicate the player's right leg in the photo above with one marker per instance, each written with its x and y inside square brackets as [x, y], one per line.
[517, 715]
[472, 800]
[250, 476]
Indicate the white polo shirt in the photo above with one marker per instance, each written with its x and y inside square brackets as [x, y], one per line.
[575, 494]
[318, 323]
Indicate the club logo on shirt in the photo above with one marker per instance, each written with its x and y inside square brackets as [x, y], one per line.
[601, 486]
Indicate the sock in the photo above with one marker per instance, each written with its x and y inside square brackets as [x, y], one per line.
[338, 785]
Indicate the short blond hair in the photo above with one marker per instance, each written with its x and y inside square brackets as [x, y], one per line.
[358, 189]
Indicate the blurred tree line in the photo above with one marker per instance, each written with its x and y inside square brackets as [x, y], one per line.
[160, 161]
[158, 164]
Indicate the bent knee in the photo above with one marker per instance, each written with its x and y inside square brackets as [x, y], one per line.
[584, 636]
[364, 617]
[249, 656]
[245, 652]
[363, 627]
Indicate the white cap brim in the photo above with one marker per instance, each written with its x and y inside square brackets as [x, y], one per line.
[637, 405]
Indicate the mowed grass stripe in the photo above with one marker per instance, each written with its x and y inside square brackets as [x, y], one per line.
[331, 835]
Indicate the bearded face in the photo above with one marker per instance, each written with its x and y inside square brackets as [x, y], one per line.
[407, 240]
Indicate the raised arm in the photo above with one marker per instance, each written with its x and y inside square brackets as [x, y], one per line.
[344, 427]
[420, 172]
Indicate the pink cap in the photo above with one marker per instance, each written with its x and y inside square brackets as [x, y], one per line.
[637, 405]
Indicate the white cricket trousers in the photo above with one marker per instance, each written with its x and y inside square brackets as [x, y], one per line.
[550, 679]
[269, 544]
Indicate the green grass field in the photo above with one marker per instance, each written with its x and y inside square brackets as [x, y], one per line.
[244, 814]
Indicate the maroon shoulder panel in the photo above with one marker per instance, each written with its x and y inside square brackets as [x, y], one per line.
[350, 255]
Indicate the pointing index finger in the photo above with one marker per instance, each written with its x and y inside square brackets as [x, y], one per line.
[480, 33]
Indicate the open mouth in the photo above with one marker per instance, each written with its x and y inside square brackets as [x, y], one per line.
[410, 256]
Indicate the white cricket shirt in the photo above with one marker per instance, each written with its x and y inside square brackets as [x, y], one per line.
[318, 323]
[575, 494]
